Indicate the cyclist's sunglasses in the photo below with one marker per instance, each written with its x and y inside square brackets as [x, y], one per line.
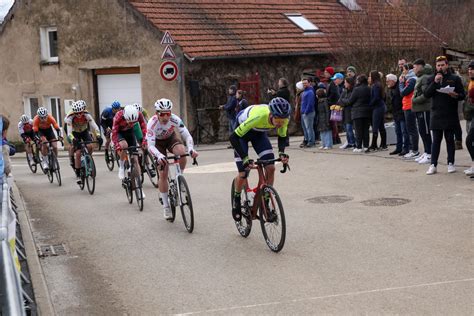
[163, 114]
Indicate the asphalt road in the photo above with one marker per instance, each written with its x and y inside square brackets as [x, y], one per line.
[342, 254]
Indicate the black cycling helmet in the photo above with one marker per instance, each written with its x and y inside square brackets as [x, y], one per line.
[279, 107]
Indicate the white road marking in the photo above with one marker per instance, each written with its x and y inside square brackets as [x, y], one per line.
[224, 309]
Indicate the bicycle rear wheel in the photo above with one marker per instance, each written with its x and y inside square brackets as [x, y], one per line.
[186, 204]
[109, 160]
[272, 219]
[56, 168]
[138, 192]
[90, 174]
[31, 164]
[150, 167]
[244, 226]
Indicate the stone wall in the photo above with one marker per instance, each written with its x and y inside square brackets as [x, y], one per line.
[215, 76]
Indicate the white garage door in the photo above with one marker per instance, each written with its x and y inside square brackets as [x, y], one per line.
[126, 89]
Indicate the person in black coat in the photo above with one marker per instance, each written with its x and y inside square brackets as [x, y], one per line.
[403, 139]
[361, 112]
[444, 111]
[333, 94]
[349, 84]
[282, 92]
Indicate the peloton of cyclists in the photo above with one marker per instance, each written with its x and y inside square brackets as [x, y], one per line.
[161, 137]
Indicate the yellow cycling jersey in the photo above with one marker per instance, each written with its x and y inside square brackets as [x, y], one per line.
[257, 117]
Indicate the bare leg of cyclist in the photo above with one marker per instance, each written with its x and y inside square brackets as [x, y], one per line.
[179, 150]
[55, 148]
[163, 188]
[270, 174]
[123, 156]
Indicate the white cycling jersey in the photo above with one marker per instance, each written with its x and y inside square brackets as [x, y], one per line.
[25, 127]
[158, 131]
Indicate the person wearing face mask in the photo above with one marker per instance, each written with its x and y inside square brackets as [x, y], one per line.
[444, 111]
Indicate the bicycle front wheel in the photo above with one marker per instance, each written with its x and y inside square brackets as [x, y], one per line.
[151, 170]
[90, 174]
[31, 164]
[50, 170]
[83, 178]
[138, 192]
[272, 219]
[186, 204]
[109, 160]
[56, 169]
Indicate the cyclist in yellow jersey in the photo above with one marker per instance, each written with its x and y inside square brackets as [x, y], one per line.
[254, 122]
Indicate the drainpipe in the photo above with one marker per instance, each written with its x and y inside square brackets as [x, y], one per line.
[181, 88]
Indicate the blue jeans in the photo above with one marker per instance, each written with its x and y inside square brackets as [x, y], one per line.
[307, 121]
[410, 120]
[232, 125]
[326, 138]
[403, 141]
[350, 134]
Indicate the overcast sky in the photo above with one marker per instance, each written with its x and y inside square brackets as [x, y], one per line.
[5, 5]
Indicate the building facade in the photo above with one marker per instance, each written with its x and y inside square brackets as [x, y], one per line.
[54, 51]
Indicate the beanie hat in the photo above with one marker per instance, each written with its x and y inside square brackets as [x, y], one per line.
[330, 70]
[351, 69]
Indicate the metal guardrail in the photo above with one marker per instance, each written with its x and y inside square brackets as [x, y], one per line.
[11, 293]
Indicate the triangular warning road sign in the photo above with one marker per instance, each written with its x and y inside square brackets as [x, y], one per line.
[167, 39]
[168, 53]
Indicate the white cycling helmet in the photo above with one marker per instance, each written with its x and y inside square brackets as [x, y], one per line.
[163, 105]
[130, 113]
[76, 108]
[81, 104]
[24, 118]
[138, 106]
[42, 112]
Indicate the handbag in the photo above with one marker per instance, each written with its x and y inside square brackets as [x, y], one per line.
[336, 116]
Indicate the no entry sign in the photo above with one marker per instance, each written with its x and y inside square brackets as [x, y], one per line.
[169, 70]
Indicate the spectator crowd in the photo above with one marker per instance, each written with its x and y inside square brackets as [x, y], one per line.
[426, 102]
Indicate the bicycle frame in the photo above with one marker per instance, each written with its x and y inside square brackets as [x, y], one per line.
[262, 182]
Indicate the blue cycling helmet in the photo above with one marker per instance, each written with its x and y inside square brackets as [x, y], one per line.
[116, 105]
[279, 107]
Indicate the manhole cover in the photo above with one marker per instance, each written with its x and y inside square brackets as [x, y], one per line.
[51, 250]
[386, 202]
[326, 199]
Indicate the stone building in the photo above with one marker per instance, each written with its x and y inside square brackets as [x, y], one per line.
[56, 51]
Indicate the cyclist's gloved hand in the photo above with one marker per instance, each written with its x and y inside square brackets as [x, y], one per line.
[161, 159]
[247, 162]
[284, 157]
[193, 153]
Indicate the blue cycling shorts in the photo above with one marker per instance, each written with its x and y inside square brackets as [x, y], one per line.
[261, 144]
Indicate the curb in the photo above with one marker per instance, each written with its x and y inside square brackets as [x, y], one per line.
[40, 288]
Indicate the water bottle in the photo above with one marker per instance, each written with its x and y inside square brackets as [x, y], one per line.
[251, 195]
